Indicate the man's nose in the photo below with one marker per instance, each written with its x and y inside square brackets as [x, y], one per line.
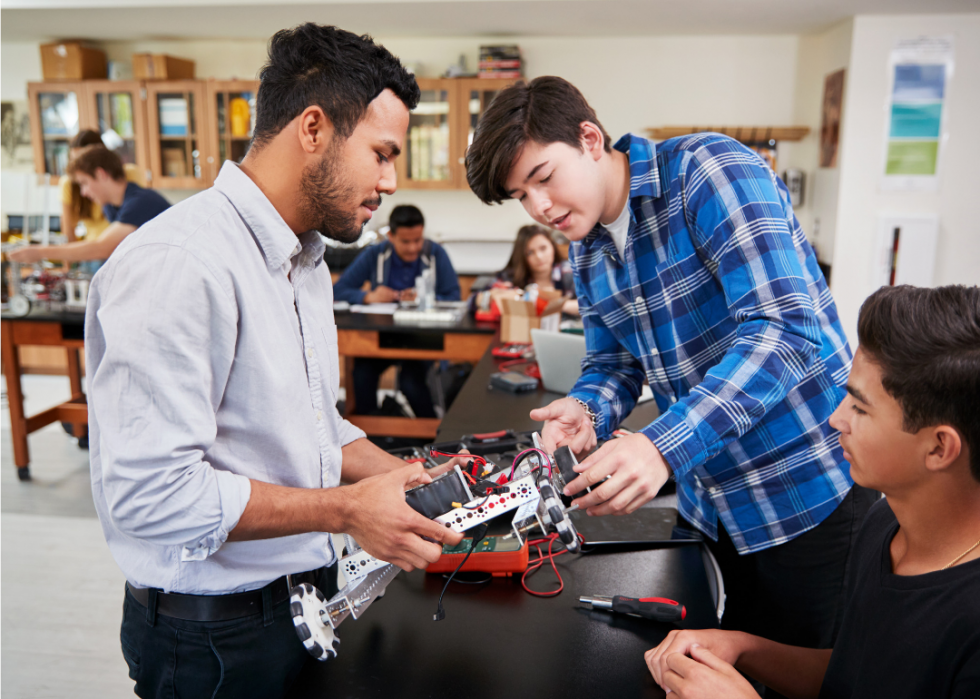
[389, 179]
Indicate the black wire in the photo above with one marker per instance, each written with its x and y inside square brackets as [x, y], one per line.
[440, 612]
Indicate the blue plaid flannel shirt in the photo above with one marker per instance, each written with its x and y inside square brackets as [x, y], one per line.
[721, 307]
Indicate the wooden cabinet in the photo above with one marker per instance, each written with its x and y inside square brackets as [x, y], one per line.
[180, 133]
[231, 120]
[56, 116]
[440, 130]
[115, 109]
[179, 145]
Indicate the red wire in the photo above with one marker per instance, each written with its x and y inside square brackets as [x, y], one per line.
[474, 459]
[536, 563]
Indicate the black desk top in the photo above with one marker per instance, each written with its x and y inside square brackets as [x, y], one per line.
[40, 315]
[499, 641]
[477, 408]
[386, 323]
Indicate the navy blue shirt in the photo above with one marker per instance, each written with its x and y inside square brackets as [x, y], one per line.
[139, 206]
[403, 273]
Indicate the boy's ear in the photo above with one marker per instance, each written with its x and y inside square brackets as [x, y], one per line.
[593, 143]
[947, 445]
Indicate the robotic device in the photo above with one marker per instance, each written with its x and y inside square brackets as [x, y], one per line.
[528, 492]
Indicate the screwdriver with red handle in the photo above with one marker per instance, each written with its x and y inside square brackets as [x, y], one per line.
[655, 608]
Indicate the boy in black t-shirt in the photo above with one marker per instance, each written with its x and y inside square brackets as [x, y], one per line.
[910, 427]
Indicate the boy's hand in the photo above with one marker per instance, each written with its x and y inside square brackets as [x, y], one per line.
[726, 645]
[565, 423]
[26, 254]
[636, 473]
[704, 676]
[381, 294]
[385, 526]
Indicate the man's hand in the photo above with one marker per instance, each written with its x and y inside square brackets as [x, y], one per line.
[381, 294]
[406, 295]
[565, 423]
[385, 526]
[636, 473]
[26, 254]
[704, 676]
[727, 645]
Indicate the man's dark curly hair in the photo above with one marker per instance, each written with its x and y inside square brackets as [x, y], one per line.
[334, 69]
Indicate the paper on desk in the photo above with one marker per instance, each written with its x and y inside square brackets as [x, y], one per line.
[385, 309]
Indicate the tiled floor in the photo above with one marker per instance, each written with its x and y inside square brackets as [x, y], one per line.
[61, 591]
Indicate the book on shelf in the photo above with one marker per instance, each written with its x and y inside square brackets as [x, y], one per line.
[494, 53]
[507, 64]
[504, 74]
[429, 152]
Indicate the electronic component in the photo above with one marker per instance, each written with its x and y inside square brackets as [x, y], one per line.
[437, 498]
[513, 382]
[526, 495]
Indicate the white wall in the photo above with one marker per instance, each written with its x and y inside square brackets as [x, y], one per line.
[819, 55]
[861, 159]
[632, 82]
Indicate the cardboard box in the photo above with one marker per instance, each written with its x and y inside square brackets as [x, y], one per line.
[70, 60]
[148, 66]
[174, 162]
[519, 317]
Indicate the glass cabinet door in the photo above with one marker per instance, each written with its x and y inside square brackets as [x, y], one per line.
[116, 110]
[55, 121]
[427, 159]
[232, 114]
[176, 135]
[477, 95]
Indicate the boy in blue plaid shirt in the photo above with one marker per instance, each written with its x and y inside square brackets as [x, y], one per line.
[694, 275]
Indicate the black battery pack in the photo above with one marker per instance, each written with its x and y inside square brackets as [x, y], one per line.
[513, 382]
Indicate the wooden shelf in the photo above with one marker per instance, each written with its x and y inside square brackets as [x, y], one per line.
[745, 134]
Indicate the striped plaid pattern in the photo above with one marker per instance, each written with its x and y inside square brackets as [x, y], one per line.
[721, 307]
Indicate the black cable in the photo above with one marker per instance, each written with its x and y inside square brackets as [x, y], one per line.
[478, 532]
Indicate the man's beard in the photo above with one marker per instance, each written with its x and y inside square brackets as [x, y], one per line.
[327, 196]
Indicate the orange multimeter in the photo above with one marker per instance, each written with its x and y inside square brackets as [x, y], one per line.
[495, 555]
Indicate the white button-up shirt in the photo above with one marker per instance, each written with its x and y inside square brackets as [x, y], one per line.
[211, 351]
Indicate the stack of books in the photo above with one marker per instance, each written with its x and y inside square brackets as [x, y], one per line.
[501, 62]
[429, 152]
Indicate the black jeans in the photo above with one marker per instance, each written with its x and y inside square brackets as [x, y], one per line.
[412, 376]
[242, 658]
[794, 593]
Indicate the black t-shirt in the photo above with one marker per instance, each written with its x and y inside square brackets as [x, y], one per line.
[905, 636]
[139, 206]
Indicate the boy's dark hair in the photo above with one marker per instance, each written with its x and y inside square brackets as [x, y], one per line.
[93, 158]
[86, 137]
[927, 344]
[405, 216]
[334, 69]
[546, 110]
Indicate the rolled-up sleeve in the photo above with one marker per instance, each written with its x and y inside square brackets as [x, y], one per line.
[161, 346]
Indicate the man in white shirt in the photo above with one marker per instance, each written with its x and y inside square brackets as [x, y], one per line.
[216, 449]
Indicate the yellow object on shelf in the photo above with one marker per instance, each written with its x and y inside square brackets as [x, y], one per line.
[240, 117]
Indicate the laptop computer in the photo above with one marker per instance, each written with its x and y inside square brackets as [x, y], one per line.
[559, 358]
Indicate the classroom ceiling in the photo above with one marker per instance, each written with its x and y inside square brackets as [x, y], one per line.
[32, 20]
